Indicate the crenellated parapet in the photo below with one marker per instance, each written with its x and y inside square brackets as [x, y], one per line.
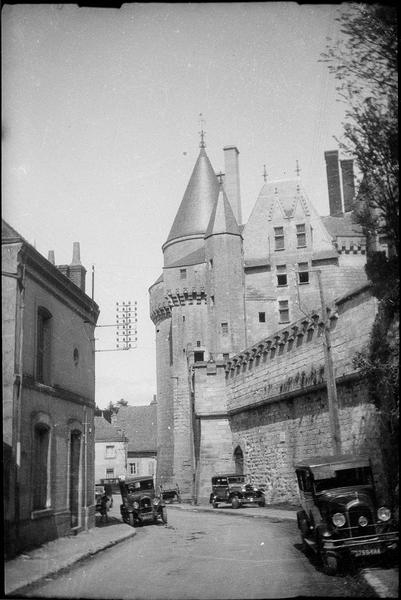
[348, 246]
[184, 296]
[160, 312]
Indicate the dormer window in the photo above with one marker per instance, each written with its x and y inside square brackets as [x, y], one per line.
[279, 238]
[301, 236]
[183, 273]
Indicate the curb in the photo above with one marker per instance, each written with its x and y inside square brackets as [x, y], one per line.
[67, 564]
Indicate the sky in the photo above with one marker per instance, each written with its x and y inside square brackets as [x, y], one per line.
[100, 133]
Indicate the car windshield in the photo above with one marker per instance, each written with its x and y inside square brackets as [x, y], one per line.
[136, 486]
[345, 478]
[237, 479]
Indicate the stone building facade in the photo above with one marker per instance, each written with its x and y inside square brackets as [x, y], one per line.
[111, 446]
[228, 289]
[48, 395]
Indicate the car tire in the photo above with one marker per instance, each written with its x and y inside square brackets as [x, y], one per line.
[164, 514]
[214, 504]
[262, 503]
[131, 519]
[330, 563]
[235, 502]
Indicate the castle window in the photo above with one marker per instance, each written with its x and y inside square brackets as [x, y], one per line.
[43, 345]
[262, 317]
[183, 273]
[211, 300]
[198, 343]
[226, 356]
[301, 236]
[303, 272]
[199, 356]
[224, 328]
[279, 238]
[211, 263]
[109, 473]
[284, 311]
[281, 275]
[132, 468]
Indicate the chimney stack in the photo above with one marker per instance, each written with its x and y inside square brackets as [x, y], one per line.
[50, 257]
[77, 272]
[347, 172]
[231, 180]
[333, 182]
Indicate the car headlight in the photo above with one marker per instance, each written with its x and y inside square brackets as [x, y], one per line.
[135, 505]
[338, 519]
[384, 513]
[155, 500]
[362, 521]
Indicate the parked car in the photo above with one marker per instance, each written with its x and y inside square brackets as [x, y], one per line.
[140, 503]
[340, 515]
[170, 494]
[103, 499]
[232, 489]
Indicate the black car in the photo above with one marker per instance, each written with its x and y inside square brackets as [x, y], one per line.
[140, 503]
[340, 515]
[232, 489]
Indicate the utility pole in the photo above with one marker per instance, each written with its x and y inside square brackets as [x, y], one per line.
[329, 368]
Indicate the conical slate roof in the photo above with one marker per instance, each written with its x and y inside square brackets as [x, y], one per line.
[222, 219]
[197, 204]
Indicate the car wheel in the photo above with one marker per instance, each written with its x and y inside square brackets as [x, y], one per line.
[330, 563]
[131, 519]
[262, 502]
[215, 504]
[164, 514]
[235, 502]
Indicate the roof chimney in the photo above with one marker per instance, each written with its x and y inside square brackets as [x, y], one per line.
[347, 172]
[77, 272]
[333, 182]
[50, 257]
[231, 180]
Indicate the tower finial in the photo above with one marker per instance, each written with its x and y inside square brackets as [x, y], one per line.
[220, 177]
[297, 170]
[202, 133]
[264, 173]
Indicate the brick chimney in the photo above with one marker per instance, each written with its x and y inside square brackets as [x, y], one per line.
[333, 182]
[77, 272]
[347, 172]
[50, 257]
[231, 180]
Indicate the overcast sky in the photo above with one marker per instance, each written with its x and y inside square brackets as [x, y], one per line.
[101, 132]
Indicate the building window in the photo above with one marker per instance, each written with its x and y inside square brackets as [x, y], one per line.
[43, 345]
[41, 466]
[76, 356]
[110, 452]
[198, 344]
[262, 317]
[211, 263]
[281, 275]
[303, 272]
[211, 300]
[109, 473]
[199, 356]
[183, 273]
[224, 328]
[301, 236]
[279, 238]
[226, 355]
[132, 468]
[284, 311]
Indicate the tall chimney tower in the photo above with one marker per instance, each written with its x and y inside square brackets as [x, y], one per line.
[333, 182]
[231, 180]
[77, 272]
[347, 172]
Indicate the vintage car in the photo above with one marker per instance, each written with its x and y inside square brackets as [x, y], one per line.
[340, 515]
[140, 503]
[170, 494]
[103, 498]
[231, 488]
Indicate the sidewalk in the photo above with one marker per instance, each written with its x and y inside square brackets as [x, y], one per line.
[60, 554]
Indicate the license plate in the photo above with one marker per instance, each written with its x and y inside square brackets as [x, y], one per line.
[147, 516]
[366, 551]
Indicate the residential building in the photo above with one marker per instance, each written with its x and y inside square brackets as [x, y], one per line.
[110, 450]
[48, 395]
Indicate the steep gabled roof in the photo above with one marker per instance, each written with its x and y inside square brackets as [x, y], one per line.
[9, 234]
[140, 426]
[222, 219]
[105, 432]
[342, 225]
[286, 194]
[197, 204]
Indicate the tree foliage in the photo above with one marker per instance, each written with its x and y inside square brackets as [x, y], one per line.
[364, 63]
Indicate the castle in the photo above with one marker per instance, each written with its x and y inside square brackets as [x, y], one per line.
[233, 297]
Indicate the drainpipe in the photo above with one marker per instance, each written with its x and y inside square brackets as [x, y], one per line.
[21, 285]
[85, 470]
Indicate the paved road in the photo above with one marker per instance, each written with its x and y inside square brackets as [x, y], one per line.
[201, 556]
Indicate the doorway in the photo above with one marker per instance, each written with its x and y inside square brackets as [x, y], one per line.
[239, 461]
[75, 459]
